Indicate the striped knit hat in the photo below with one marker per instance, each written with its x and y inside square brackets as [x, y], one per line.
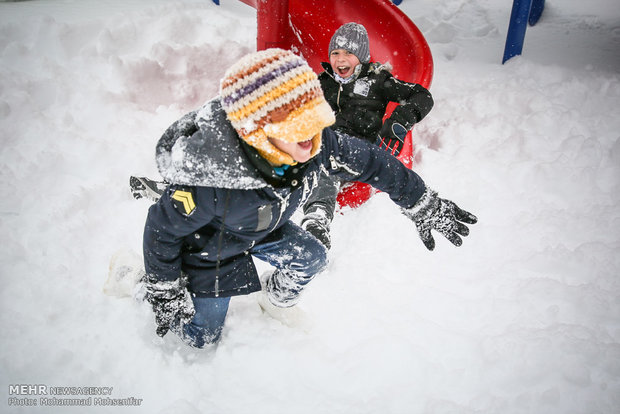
[274, 93]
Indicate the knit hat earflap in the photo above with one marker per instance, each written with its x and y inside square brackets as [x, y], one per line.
[274, 93]
[353, 38]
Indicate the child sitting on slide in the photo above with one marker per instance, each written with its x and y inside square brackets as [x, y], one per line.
[358, 92]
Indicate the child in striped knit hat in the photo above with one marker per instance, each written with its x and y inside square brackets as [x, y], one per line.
[239, 167]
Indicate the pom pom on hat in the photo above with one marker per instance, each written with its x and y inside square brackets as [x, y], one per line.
[274, 93]
[353, 38]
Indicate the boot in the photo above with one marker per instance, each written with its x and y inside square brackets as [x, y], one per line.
[125, 272]
[287, 313]
[142, 187]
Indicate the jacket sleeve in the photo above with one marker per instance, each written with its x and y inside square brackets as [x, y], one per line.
[415, 101]
[354, 159]
[184, 127]
[178, 213]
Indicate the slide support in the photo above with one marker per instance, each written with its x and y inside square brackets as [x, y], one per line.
[523, 11]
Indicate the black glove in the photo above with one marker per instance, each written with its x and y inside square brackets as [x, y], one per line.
[170, 300]
[434, 213]
[392, 136]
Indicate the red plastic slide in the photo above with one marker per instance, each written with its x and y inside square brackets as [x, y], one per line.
[306, 26]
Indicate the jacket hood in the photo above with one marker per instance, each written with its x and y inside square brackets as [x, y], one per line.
[211, 156]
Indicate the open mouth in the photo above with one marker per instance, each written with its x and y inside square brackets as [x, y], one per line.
[305, 145]
[343, 70]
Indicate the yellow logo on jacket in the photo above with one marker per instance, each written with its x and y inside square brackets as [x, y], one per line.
[186, 200]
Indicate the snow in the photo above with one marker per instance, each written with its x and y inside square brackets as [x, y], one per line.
[524, 317]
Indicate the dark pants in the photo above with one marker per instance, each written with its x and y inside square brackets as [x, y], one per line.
[297, 257]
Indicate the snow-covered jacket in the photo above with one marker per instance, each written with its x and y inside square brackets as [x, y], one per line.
[360, 105]
[225, 198]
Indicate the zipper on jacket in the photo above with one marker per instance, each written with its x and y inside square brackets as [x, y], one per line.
[220, 241]
[339, 90]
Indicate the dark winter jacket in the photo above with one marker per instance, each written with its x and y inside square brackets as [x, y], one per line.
[226, 198]
[360, 105]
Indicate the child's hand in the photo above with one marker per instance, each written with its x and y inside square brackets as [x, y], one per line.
[170, 300]
[441, 215]
[392, 137]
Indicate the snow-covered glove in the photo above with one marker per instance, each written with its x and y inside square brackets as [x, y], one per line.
[392, 136]
[170, 300]
[434, 213]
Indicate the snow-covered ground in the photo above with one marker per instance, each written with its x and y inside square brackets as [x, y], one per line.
[523, 318]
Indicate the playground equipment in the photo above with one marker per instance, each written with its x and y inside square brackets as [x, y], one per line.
[306, 26]
[523, 12]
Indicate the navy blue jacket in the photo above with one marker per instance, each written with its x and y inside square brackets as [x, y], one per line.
[225, 198]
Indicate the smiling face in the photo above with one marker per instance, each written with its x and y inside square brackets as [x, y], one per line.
[299, 151]
[343, 62]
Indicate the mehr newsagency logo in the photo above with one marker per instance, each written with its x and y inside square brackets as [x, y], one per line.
[33, 395]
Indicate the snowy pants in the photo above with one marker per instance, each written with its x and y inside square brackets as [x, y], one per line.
[297, 257]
